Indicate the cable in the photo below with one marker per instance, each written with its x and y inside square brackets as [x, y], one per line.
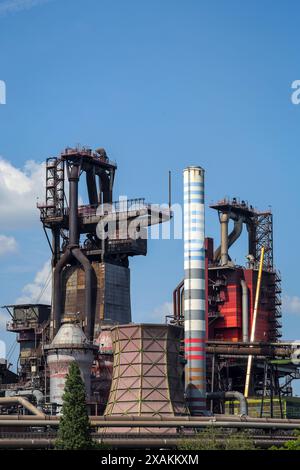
[45, 286]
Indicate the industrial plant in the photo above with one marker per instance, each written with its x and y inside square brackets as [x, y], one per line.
[219, 358]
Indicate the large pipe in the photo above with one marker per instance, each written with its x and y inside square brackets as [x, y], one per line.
[228, 396]
[57, 300]
[177, 307]
[73, 176]
[73, 251]
[263, 351]
[194, 290]
[37, 394]
[92, 187]
[88, 270]
[228, 421]
[23, 443]
[224, 219]
[135, 441]
[251, 227]
[245, 312]
[25, 403]
[227, 241]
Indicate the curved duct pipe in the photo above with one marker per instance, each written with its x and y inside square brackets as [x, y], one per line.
[245, 311]
[227, 241]
[229, 395]
[22, 401]
[73, 251]
[177, 301]
[37, 394]
[57, 300]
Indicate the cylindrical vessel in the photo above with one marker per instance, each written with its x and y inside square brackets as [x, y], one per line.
[69, 345]
[194, 290]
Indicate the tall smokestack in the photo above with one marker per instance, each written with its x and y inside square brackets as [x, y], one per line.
[194, 290]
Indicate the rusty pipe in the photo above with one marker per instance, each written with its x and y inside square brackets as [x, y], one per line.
[224, 219]
[231, 395]
[227, 241]
[92, 187]
[57, 301]
[22, 401]
[73, 177]
[226, 422]
[88, 270]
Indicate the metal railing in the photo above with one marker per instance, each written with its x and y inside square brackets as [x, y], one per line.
[93, 210]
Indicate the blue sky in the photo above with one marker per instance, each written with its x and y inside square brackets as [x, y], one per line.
[160, 85]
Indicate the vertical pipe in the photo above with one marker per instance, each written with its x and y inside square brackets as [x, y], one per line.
[181, 304]
[175, 305]
[224, 219]
[92, 187]
[170, 190]
[245, 311]
[252, 239]
[212, 386]
[194, 290]
[73, 202]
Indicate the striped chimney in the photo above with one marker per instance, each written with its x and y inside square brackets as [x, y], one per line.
[194, 290]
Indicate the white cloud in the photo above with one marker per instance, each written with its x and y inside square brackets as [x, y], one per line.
[4, 318]
[19, 191]
[14, 6]
[38, 291]
[291, 304]
[7, 245]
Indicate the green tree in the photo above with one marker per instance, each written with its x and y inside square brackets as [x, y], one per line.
[212, 439]
[74, 426]
[290, 445]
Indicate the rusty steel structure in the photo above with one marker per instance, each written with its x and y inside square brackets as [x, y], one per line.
[31, 324]
[91, 244]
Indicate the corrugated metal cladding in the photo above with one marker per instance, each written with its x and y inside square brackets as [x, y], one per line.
[111, 293]
[147, 372]
[117, 306]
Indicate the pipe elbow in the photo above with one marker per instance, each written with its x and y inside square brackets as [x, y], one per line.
[229, 395]
[242, 401]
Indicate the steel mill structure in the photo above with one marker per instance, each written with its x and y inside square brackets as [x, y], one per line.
[149, 380]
